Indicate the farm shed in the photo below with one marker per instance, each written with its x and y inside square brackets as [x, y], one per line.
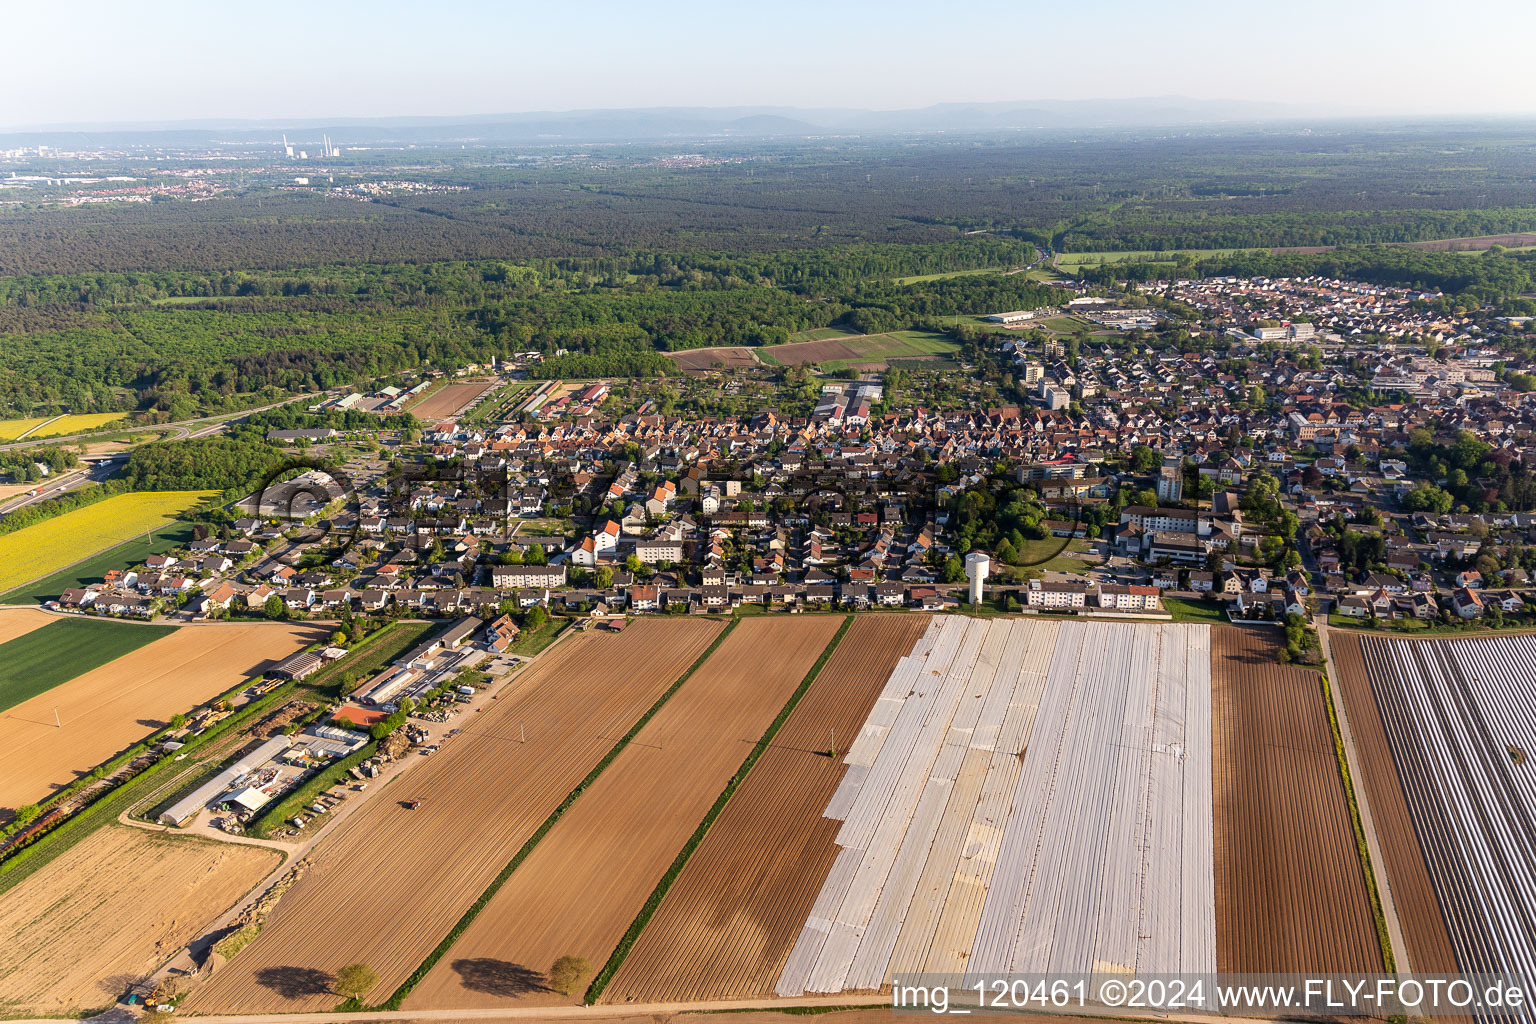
[461, 632]
[248, 799]
[483, 798]
[296, 666]
[187, 807]
[383, 687]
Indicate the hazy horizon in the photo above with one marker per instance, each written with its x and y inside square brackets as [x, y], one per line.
[388, 60]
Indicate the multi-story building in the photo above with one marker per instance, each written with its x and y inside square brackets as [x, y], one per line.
[1170, 480]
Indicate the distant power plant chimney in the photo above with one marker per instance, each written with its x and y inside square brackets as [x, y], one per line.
[977, 565]
[287, 149]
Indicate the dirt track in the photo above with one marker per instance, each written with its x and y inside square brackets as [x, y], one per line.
[624, 833]
[112, 707]
[729, 922]
[1429, 945]
[75, 935]
[1290, 892]
[387, 888]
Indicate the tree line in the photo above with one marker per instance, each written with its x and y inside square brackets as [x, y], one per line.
[178, 360]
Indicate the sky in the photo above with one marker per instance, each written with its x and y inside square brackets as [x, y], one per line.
[93, 61]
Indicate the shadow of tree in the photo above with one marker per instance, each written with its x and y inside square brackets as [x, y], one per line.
[118, 984]
[498, 977]
[295, 982]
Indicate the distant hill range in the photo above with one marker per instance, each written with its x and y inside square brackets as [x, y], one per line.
[682, 123]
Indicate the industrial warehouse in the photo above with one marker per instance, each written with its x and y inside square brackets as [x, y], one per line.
[269, 771]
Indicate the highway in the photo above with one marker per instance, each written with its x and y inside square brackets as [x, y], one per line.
[91, 470]
[95, 469]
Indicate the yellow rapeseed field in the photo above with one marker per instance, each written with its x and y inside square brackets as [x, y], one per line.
[75, 424]
[10, 430]
[49, 546]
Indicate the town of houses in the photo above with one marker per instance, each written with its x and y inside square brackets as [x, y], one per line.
[1316, 384]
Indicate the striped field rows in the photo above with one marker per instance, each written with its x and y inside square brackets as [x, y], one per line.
[1025, 796]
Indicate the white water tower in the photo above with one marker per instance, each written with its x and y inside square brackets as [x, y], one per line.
[977, 565]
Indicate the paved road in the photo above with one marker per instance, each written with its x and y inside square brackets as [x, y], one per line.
[628, 1012]
[587, 1013]
[90, 471]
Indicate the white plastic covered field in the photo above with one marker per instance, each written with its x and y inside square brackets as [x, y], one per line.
[1025, 796]
[1459, 718]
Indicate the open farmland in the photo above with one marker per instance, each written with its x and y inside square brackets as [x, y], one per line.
[15, 622]
[55, 543]
[447, 401]
[112, 707]
[624, 832]
[700, 359]
[1407, 875]
[389, 886]
[66, 425]
[1456, 717]
[991, 804]
[727, 925]
[11, 430]
[64, 648]
[94, 569]
[1290, 890]
[864, 350]
[57, 426]
[1477, 243]
[1073, 260]
[75, 935]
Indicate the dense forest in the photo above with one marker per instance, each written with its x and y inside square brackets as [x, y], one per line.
[1211, 190]
[178, 344]
[605, 262]
[235, 461]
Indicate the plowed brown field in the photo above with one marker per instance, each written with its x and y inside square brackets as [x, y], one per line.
[1476, 242]
[798, 353]
[75, 935]
[15, 622]
[449, 400]
[1413, 895]
[700, 359]
[731, 918]
[1290, 892]
[582, 886]
[112, 707]
[392, 882]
